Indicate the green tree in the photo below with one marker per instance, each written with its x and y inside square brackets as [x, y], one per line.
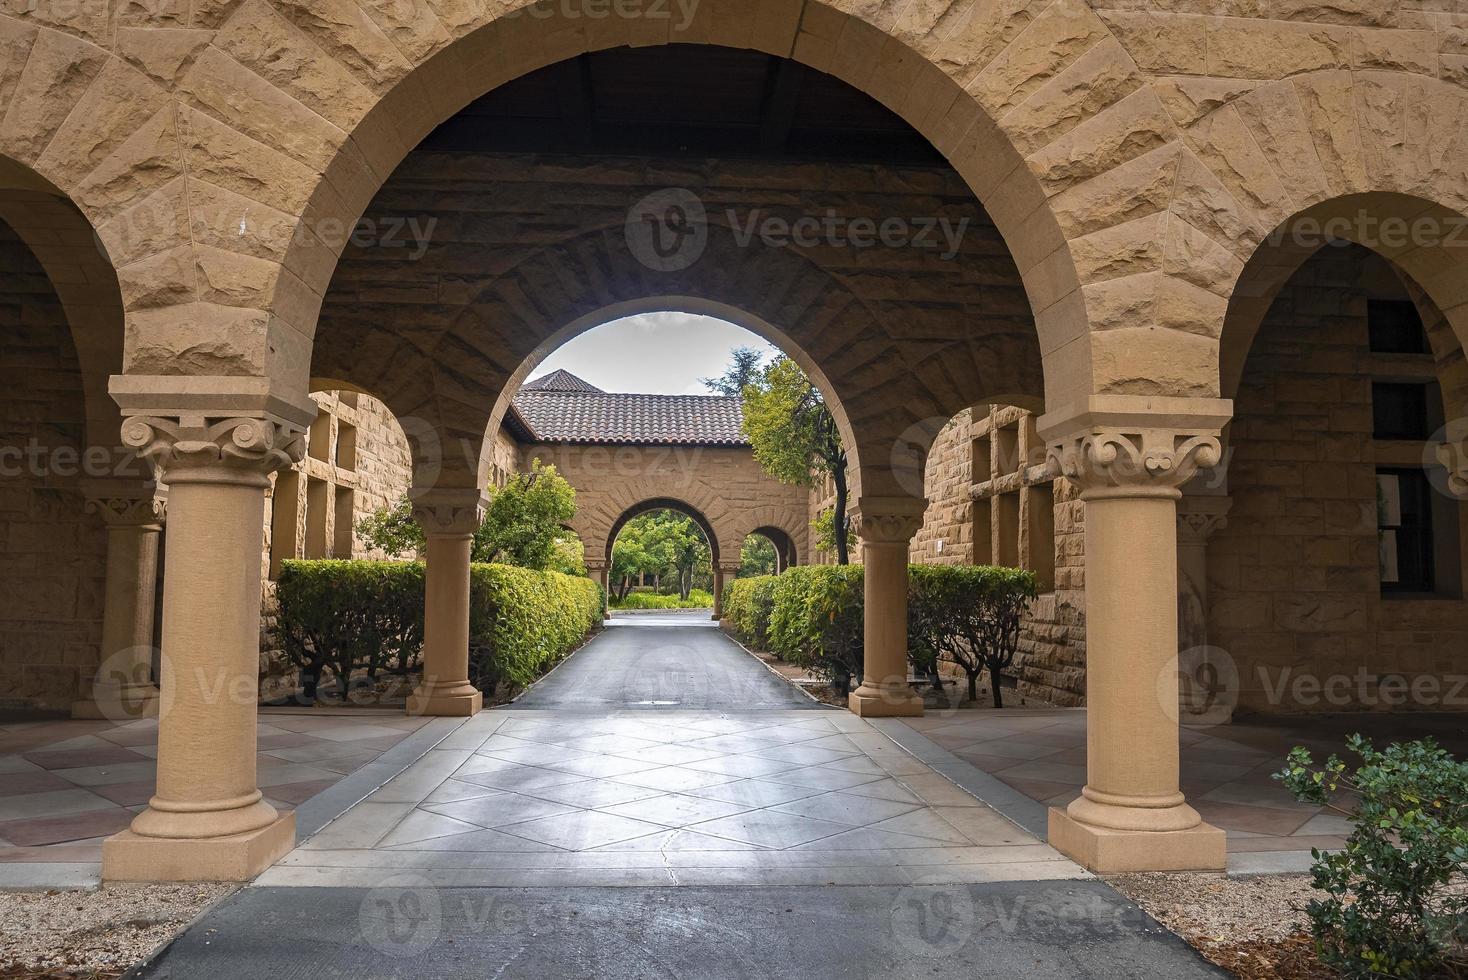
[743, 368]
[795, 437]
[757, 557]
[523, 522]
[662, 543]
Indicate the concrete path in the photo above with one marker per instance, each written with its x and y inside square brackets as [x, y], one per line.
[664, 805]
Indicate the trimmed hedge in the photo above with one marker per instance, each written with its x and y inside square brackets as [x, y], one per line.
[811, 616]
[748, 603]
[352, 617]
[697, 599]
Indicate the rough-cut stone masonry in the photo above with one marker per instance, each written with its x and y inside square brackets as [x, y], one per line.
[725, 486]
[52, 563]
[1293, 577]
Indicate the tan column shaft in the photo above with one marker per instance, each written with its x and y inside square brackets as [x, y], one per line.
[1131, 655]
[718, 593]
[448, 519]
[122, 687]
[887, 525]
[210, 660]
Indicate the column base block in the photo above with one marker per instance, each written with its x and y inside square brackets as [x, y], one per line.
[118, 711]
[446, 706]
[127, 856]
[1105, 851]
[865, 705]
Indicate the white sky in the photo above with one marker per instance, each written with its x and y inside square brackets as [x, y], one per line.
[653, 353]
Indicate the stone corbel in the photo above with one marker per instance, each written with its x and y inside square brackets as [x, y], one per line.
[890, 520]
[448, 511]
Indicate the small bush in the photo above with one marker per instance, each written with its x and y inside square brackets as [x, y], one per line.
[748, 603]
[1396, 900]
[697, 599]
[816, 622]
[346, 617]
[969, 616]
[340, 617]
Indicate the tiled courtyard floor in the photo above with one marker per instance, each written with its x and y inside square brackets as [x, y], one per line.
[663, 754]
[65, 785]
[1226, 769]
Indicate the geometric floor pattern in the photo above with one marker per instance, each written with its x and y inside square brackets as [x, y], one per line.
[66, 785]
[627, 797]
[1226, 770]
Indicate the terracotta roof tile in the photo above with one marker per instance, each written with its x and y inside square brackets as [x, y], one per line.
[562, 408]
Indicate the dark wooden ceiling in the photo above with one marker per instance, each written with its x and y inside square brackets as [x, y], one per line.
[684, 100]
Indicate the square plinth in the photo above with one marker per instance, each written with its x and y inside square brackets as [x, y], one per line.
[864, 706]
[129, 857]
[455, 706]
[1104, 851]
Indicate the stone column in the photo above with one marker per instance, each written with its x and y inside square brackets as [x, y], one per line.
[599, 572]
[449, 519]
[887, 525]
[724, 573]
[1131, 815]
[1209, 685]
[208, 820]
[122, 688]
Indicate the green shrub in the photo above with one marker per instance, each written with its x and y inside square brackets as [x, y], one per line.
[1396, 900]
[816, 622]
[697, 599]
[969, 616]
[346, 617]
[748, 603]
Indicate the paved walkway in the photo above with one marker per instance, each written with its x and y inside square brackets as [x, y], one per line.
[662, 805]
[668, 756]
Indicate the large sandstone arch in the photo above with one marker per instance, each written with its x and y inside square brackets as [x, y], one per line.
[600, 526]
[1426, 241]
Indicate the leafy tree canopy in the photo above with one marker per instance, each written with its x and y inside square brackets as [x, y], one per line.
[794, 435]
[743, 369]
[662, 543]
[523, 523]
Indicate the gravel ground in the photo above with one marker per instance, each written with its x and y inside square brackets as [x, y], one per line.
[1251, 926]
[94, 933]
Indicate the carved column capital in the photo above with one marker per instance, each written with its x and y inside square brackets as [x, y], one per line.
[125, 511]
[1133, 462]
[890, 520]
[448, 512]
[214, 449]
[730, 567]
[1199, 517]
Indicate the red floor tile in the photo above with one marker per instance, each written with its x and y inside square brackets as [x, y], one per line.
[56, 830]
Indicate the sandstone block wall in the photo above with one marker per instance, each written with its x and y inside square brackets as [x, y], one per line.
[52, 552]
[1294, 576]
[723, 484]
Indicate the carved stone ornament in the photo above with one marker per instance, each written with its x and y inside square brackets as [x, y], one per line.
[247, 445]
[449, 512]
[1454, 456]
[1119, 462]
[122, 511]
[891, 520]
